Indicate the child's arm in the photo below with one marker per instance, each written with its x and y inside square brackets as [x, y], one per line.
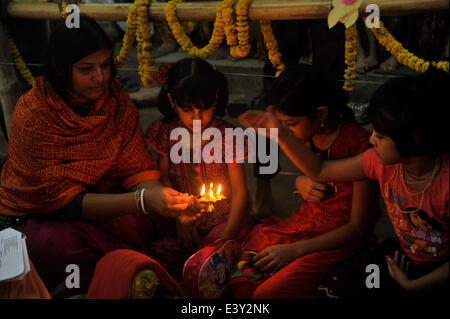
[398, 271]
[364, 199]
[239, 196]
[343, 170]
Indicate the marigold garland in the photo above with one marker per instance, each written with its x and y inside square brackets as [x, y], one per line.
[402, 55]
[272, 46]
[139, 29]
[64, 9]
[147, 68]
[242, 49]
[184, 41]
[350, 57]
[229, 28]
[129, 36]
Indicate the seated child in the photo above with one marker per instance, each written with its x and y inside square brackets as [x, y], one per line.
[288, 258]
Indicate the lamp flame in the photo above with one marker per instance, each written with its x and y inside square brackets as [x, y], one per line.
[219, 188]
[203, 190]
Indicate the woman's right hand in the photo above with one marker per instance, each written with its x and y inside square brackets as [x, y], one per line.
[310, 191]
[166, 201]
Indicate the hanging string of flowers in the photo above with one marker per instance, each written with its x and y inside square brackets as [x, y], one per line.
[242, 48]
[64, 9]
[129, 36]
[183, 39]
[350, 57]
[272, 46]
[139, 29]
[147, 67]
[402, 55]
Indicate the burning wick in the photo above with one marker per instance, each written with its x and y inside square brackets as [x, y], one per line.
[210, 198]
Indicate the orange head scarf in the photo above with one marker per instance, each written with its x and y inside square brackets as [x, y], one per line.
[54, 154]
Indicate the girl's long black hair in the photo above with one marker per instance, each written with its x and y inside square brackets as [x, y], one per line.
[410, 110]
[302, 88]
[193, 82]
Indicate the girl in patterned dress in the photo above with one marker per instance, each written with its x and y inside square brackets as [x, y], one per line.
[195, 91]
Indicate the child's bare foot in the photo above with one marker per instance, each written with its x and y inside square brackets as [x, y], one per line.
[220, 54]
[167, 47]
[390, 64]
[371, 61]
[361, 64]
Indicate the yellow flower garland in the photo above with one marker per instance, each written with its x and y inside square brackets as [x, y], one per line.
[184, 41]
[350, 57]
[138, 27]
[229, 28]
[128, 38]
[63, 9]
[402, 55]
[272, 46]
[147, 66]
[17, 58]
[242, 49]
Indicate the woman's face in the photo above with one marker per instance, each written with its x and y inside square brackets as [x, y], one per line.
[90, 77]
[385, 148]
[303, 127]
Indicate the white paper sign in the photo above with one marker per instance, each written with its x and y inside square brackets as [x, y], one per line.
[14, 263]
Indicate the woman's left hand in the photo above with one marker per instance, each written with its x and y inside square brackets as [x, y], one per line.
[398, 269]
[274, 258]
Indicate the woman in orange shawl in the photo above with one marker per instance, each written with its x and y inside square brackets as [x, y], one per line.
[79, 180]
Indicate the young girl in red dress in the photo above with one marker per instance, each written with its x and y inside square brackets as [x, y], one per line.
[288, 258]
[410, 162]
[195, 91]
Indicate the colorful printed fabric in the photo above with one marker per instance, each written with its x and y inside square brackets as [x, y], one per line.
[423, 233]
[116, 274]
[55, 154]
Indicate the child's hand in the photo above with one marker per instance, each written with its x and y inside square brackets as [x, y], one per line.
[258, 119]
[310, 191]
[187, 235]
[398, 269]
[274, 258]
